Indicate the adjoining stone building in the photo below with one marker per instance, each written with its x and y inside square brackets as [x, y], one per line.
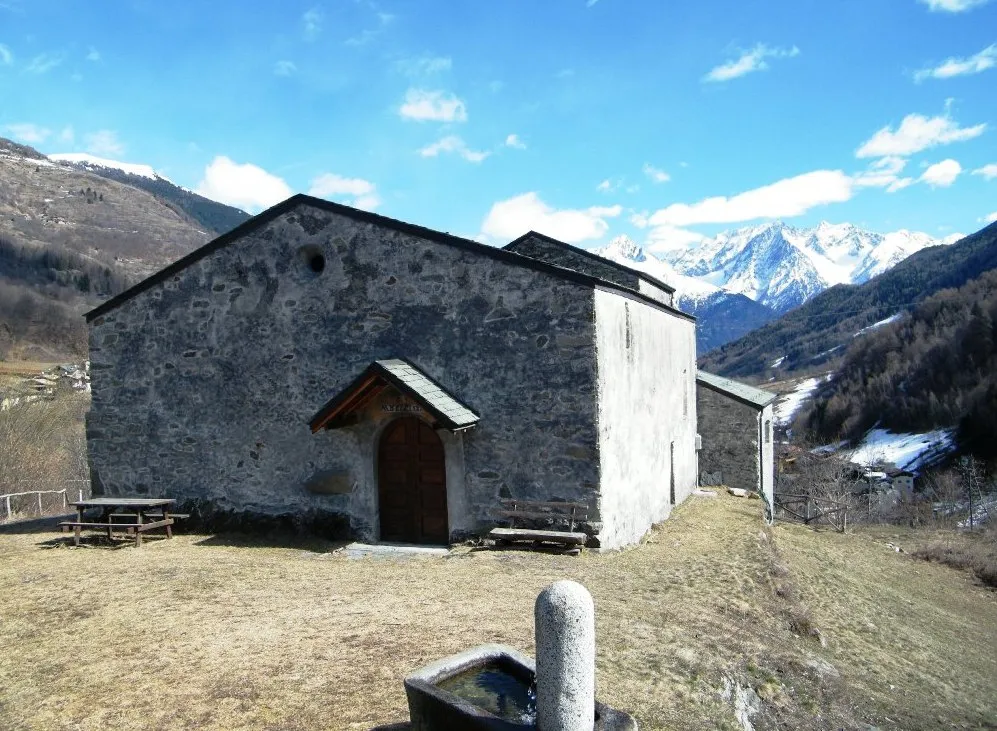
[735, 425]
[344, 371]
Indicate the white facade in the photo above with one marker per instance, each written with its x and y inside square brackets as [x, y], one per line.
[646, 361]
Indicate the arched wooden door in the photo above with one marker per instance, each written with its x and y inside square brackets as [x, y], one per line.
[412, 489]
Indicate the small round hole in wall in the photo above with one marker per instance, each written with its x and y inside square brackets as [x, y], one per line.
[312, 259]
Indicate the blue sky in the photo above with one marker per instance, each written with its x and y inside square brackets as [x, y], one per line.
[584, 119]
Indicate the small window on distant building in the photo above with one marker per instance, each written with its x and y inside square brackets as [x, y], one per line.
[768, 432]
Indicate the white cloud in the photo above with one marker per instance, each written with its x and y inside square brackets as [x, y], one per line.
[433, 106]
[284, 68]
[916, 133]
[355, 192]
[424, 66]
[511, 218]
[514, 141]
[42, 63]
[311, 23]
[590, 3]
[953, 6]
[365, 37]
[752, 60]
[6, 56]
[884, 173]
[941, 174]
[991, 218]
[985, 59]
[67, 135]
[104, 143]
[784, 198]
[669, 238]
[93, 54]
[656, 174]
[27, 132]
[608, 186]
[455, 144]
[243, 185]
[989, 172]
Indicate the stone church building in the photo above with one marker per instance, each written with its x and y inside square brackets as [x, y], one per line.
[359, 375]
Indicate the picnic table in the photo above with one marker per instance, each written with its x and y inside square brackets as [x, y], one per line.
[130, 514]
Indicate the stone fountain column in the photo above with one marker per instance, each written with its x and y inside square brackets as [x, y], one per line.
[565, 632]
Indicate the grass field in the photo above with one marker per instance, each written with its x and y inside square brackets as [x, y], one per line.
[203, 632]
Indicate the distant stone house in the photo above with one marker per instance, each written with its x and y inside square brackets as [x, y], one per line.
[735, 425]
[357, 375]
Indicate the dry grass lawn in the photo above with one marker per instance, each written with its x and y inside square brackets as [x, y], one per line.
[206, 632]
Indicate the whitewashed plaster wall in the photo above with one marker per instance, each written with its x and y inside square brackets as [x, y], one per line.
[767, 456]
[655, 292]
[646, 360]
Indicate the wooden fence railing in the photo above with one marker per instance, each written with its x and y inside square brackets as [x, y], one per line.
[811, 510]
[21, 508]
[38, 493]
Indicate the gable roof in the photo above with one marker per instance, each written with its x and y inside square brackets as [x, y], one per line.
[449, 412]
[294, 201]
[511, 246]
[748, 395]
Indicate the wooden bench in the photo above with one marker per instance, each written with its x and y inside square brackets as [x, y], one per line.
[570, 541]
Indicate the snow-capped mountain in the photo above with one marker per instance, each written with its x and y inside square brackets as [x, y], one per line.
[783, 266]
[741, 279]
[97, 164]
[688, 289]
[720, 316]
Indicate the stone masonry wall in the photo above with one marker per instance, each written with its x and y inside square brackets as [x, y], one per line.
[203, 384]
[730, 439]
[538, 248]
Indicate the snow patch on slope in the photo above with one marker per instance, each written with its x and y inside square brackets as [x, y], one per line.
[786, 408]
[877, 325]
[906, 451]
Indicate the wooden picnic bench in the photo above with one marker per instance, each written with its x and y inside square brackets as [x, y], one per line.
[515, 510]
[134, 516]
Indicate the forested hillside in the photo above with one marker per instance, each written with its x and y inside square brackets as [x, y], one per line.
[825, 326]
[70, 238]
[936, 367]
[42, 293]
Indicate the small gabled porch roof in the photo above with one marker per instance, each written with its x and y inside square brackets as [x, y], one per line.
[449, 413]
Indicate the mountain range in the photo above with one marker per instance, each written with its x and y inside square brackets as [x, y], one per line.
[774, 264]
[741, 279]
[826, 326]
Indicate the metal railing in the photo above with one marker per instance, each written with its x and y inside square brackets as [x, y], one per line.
[811, 510]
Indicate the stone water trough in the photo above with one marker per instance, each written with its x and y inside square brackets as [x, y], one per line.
[495, 688]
